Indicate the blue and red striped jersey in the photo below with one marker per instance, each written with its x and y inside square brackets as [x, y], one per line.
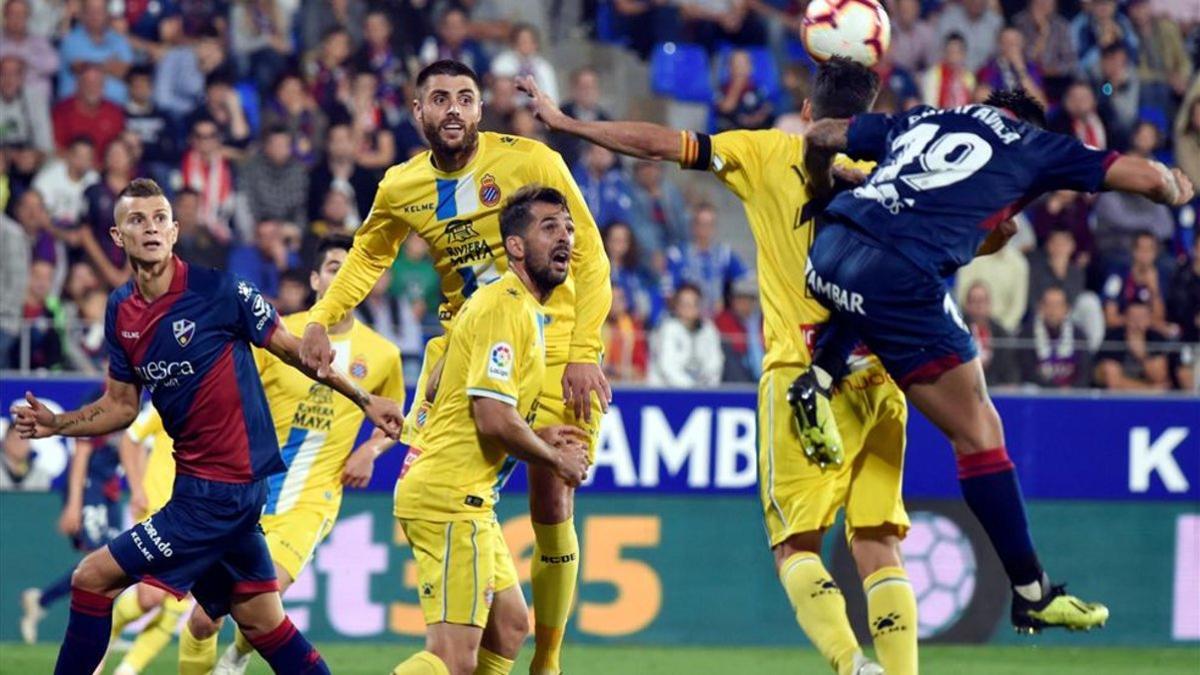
[191, 349]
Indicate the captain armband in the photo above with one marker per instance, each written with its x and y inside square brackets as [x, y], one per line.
[695, 151]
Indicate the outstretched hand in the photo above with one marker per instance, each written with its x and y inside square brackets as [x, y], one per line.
[385, 414]
[34, 420]
[543, 107]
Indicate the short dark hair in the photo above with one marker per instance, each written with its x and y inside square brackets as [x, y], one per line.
[295, 276]
[1020, 103]
[187, 191]
[331, 242]
[954, 36]
[81, 140]
[687, 286]
[447, 67]
[140, 70]
[1113, 48]
[842, 88]
[515, 216]
[1142, 234]
[139, 188]
[275, 129]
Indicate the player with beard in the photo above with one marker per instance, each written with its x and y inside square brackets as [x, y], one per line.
[451, 197]
[475, 433]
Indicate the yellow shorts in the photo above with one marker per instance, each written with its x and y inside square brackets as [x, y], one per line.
[461, 565]
[550, 409]
[293, 536]
[799, 497]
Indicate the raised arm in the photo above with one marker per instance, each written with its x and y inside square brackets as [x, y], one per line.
[561, 449]
[1150, 179]
[116, 409]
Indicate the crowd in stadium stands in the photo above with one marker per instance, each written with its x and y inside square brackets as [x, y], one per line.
[271, 121]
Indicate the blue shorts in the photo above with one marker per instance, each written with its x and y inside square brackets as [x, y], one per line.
[206, 541]
[904, 315]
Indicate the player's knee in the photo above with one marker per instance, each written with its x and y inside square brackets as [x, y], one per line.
[89, 577]
[874, 549]
[984, 433]
[801, 542]
[149, 597]
[459, 662]
[514, 628]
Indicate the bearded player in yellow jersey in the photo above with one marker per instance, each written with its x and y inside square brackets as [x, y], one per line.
[800, 499]
[451, 197]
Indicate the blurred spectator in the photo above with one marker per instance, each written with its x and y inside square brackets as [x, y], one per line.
[81, 278]
[524, 58]
[84, 328]
[376, 144]
[24, 112]
[914, 41]
[293, 292]
[583, 105]
[42, 312]
[999, 361]
[1140, 282]
[19, 468]
[40, 57]
[1119, 216]
[44, 238]
[93, 40]
[740, 326]
[1010, 70]
[264, 261]
[1183, 304]
[260, 39]
[181, 77]
[716, 22]
[319, 17]
[380, 56]
[1097, 27]
[1054, 265]
[604, 186]
[978, 25]
[87, 114]
[334, 218]
[273, 182]
[1163, 65]
[223, 108]
[1048, 42]
[14, 275]
[742, 103]
[329, 72]
[293, 107]
[416, 281]
[156, 132]
[647, 23]
[522, 122]
[1078, 117]
[206, 171]
[1133, 357]
[627, 272]
[625, 346]
[686, 348]
[1187, 134]
[1118, 92]
[99, 200]
[897, 84]
[198, 16]
[949, 83]
[196, 243]
[499, 105]
[1006, 275]
[659, 214]
[18, 167]
[1058, 357]
[391, 317]
[339, 168]
[710, 265]
[150, 27]
[62, 182]
[452, 42]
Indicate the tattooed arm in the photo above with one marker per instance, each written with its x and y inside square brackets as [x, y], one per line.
[116, 409]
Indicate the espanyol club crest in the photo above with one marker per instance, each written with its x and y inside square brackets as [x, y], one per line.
[184, 331]
[489, 192]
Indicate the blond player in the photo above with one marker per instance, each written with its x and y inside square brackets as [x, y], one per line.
[477, 428]
[316, 431]
[450, 197]
[766, 170]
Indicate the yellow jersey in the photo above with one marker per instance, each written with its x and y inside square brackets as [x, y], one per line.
[159, 479]
[765, 170]
[497, 349]
[458, 214]
[317, 426]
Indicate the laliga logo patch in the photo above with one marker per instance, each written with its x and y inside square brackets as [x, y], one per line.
[184, 331]
[489, 192]
[500, 361]
[358, 369]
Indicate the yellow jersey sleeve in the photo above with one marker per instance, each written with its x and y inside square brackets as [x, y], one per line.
[494, 366]
[589, 263]
[376, 244]
[737, 158]
[147, 424]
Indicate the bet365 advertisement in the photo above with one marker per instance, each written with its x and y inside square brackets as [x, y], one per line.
[673, 549]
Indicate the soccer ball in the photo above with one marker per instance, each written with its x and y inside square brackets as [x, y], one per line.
[856, 29]
[941, 565]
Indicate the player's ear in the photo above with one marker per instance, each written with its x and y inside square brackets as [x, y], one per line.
[313, 279]
[116, 236]
[514, 246]
[806, 111]
[173, 232]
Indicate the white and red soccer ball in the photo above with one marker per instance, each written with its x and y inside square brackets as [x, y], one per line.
[856, 29]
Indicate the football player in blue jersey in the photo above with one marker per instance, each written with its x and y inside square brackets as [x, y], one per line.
[946, 183]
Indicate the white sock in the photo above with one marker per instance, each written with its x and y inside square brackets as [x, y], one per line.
[1034, 590]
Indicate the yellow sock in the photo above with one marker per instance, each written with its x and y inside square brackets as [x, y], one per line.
[892, 611]
[196, 656]
[820, 608]
[155, 636]
[126, 610]
[554, 571]
[240, 642]
[491, 663]
[422, 663]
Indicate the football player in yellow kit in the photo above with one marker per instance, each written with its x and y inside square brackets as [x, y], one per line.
[451, 197]
[316, 431]
[765, 169]
[477, 429]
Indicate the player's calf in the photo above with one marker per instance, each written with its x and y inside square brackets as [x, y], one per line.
[261, 619]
